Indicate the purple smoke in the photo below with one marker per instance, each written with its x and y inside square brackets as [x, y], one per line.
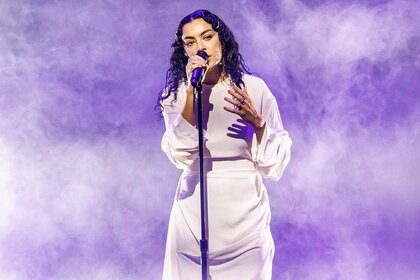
[85, 191]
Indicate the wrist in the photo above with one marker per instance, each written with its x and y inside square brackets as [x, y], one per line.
[190, 90]
[259, 124]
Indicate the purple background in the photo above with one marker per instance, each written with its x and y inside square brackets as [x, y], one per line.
[85, 191]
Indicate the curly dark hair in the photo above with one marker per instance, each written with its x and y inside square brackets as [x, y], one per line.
[232, 63]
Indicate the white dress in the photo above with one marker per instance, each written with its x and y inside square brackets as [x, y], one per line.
[240, 241]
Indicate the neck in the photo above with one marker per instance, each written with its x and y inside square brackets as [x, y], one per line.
[213, 76]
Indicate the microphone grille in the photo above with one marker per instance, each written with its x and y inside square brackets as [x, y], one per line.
[203, 54]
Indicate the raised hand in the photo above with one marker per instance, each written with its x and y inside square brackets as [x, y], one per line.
[195, 61]
[244, 107]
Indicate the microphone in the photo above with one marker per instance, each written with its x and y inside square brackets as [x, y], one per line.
[198, 73]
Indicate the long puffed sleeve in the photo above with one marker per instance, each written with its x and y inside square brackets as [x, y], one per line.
[180, 140]
[273, 153]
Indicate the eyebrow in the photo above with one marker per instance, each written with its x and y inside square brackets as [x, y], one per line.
[202, 33]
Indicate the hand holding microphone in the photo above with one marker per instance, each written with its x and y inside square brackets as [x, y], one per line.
[196, 68]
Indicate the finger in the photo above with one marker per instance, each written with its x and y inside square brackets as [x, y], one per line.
[238, 89]
[239, 113]
[192, 66]
[233, 102]
[198, 63]
[235, 94]
[245, 92]
[195, 66]
[198, 58]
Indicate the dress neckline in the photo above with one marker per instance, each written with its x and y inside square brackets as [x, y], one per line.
[225, 84]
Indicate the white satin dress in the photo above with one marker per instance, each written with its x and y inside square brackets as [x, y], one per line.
[240, 241]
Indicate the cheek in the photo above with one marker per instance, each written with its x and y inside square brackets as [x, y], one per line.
[218, 53]
[188, 52]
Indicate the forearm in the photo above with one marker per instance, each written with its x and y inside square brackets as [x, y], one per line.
[259, 133]
[259, 127]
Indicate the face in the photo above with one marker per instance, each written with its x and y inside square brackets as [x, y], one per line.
[199, 35]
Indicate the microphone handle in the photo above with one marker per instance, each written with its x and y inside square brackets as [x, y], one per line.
[196, 76]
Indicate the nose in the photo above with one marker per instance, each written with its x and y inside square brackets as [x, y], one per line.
[201, 46]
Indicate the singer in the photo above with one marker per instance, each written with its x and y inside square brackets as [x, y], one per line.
[244, 140]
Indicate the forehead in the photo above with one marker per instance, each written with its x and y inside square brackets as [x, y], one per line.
[195, 28]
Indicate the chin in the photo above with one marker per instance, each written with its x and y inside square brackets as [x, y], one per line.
[214, 64]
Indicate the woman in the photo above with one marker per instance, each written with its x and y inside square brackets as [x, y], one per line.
[244, 140]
